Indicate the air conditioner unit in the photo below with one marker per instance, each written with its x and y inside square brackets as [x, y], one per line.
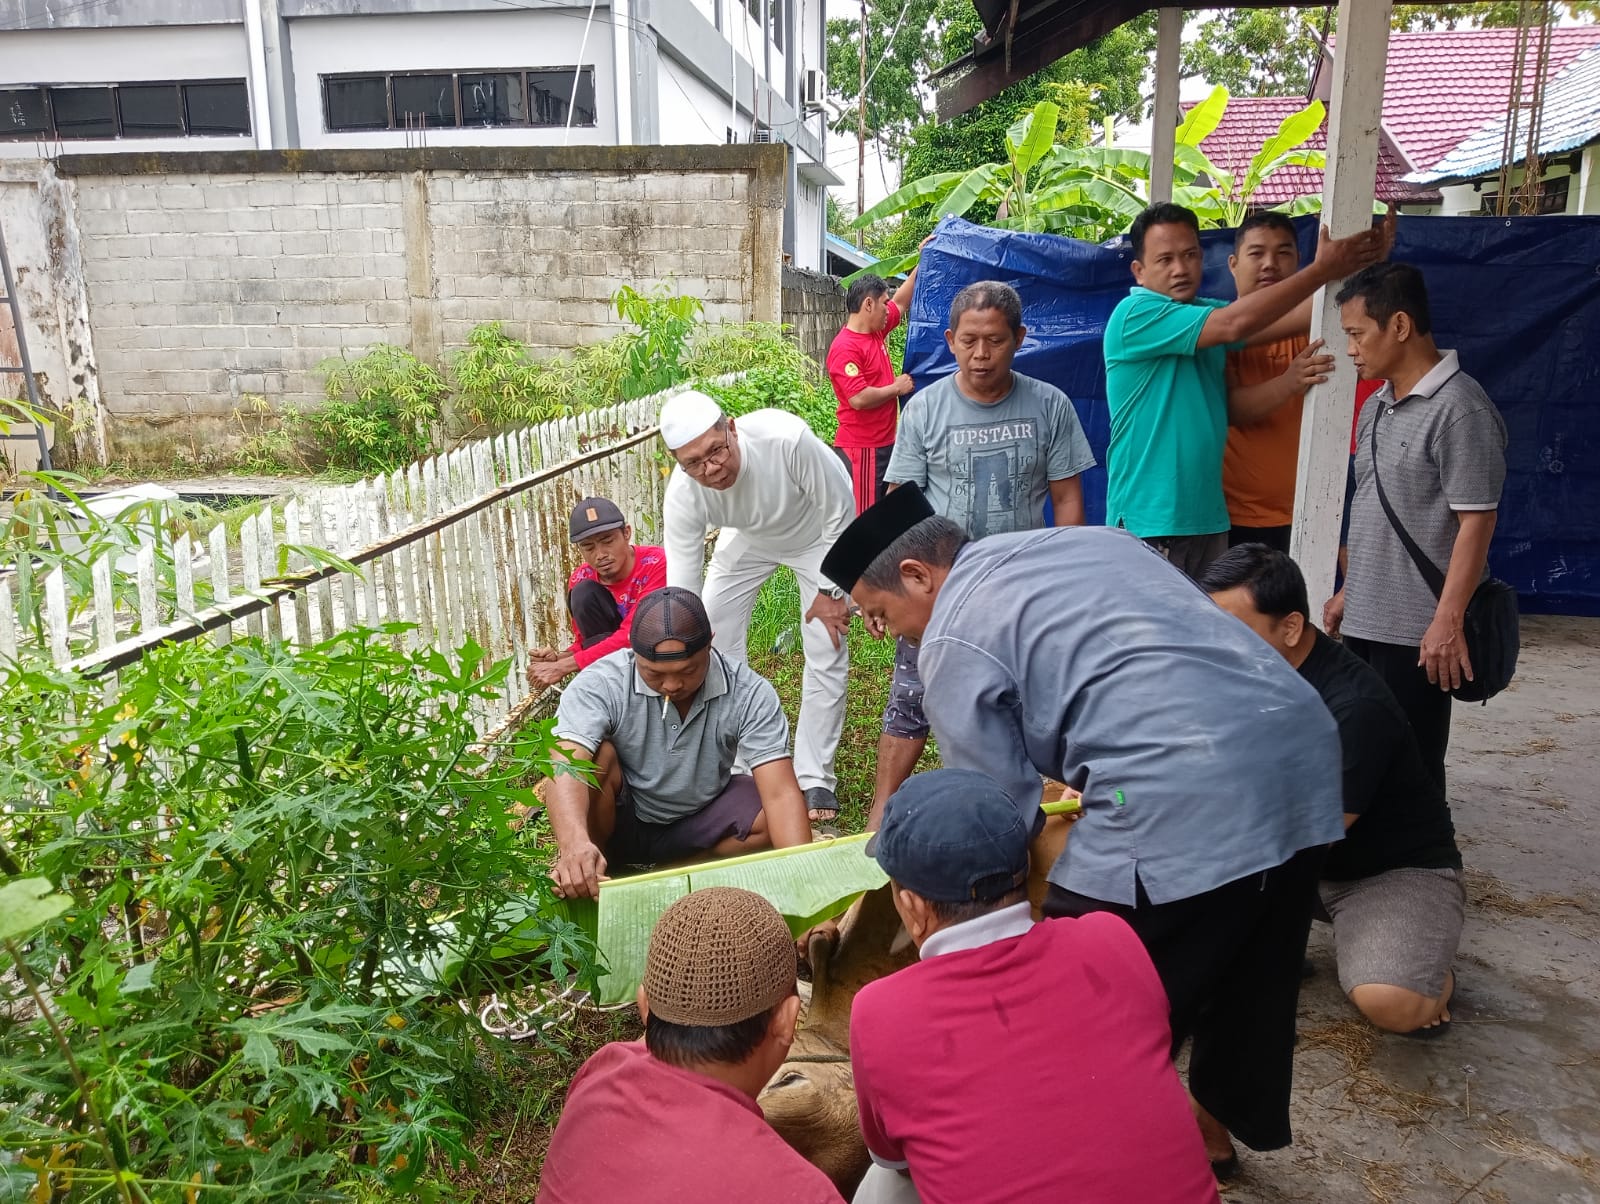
[814, 89]
[761, 134]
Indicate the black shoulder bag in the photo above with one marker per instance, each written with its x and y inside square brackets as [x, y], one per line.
[1491, 624]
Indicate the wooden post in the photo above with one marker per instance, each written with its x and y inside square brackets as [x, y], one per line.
[1164, 120]
[1354, 115]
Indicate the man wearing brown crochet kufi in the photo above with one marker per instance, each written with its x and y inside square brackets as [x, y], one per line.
[674, 1118]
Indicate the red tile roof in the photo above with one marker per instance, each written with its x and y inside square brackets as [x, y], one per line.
[1441, 86]
[1249, 121]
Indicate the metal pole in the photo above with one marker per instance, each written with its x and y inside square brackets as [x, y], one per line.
[861, 134]
[31, 384]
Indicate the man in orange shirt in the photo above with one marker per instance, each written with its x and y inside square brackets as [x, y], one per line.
[1266, 391]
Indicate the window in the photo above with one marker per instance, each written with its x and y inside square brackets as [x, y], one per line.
[424, 100]
[216, 109]
[357, 102]
[493, 99]
[775, 16]
[140, 110]
[541, 96]
[150, 110]
[1552, 199]
[23, 113]
[551, 92]
[84, 112]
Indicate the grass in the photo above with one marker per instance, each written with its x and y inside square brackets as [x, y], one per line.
[774, 650]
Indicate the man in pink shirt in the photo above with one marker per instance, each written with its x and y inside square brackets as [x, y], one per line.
[673, 1119]
[602, 591]
[967, 1062]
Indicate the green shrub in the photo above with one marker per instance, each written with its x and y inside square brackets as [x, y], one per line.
[285, 867]
[783, 388]
[382, 410]
[653, 352]
[498, 385]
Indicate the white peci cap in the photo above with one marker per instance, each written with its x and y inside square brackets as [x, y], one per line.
[687, 416]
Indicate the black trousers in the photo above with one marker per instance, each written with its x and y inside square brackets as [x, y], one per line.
[1276, 538]
[1230, 960]
[594, 611]
[1425, 704]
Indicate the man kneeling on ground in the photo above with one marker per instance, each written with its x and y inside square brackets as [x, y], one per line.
[1392, 886]
[602, 591]
[674, 1119]
[663, 724]
[966, 1062]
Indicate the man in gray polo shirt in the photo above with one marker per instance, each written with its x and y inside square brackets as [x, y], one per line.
[1438, 445]
[1209, 770]
[663, 723]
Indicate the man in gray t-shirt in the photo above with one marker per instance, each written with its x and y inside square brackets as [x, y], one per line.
[1438, 445]
[987, 447]
[663, 723]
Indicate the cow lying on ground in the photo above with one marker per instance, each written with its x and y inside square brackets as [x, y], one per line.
[811, 1100]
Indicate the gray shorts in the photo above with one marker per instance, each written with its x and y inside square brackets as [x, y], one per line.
[903, 716]
[1400, 927]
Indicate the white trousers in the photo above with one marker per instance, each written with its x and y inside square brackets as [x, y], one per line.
[884, 1186]
[735, 576]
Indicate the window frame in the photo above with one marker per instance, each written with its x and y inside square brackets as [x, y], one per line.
[455, 74]
[53, 132]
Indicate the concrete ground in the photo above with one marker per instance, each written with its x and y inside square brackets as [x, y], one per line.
[1506, 1106]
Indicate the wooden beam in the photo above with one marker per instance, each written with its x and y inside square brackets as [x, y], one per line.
[1354, 116]
[1163, 122]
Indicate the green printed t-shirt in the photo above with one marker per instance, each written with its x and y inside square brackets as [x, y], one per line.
[1169, 417]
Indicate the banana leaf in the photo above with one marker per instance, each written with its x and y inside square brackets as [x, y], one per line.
[807, 884]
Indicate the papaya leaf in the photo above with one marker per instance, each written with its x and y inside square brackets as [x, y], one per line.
[28, 903]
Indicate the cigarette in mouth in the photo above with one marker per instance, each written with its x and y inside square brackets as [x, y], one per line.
[665, 699]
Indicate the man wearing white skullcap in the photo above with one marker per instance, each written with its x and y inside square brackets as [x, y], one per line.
[780, 496]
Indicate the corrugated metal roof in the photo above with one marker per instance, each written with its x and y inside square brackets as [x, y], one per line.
[1249, 121]
[1571, 120]
[1441, 86]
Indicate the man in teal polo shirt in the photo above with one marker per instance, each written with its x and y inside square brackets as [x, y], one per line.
[1166, 351]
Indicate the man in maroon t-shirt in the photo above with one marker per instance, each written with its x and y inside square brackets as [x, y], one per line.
[966, 1062]
[602, 591]
[674, 1119]
[863, 379]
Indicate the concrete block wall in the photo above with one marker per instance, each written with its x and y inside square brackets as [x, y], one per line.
[813, 304]
[209, 277]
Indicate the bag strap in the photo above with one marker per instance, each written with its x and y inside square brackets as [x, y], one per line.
[1430, 571]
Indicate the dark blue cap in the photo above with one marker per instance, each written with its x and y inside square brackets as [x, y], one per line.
[953, 836]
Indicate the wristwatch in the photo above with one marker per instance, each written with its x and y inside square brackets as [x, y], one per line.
[834, 592]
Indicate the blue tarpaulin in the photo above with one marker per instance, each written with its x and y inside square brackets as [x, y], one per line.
[1518, 298]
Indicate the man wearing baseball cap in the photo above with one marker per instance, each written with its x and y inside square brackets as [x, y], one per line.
[602, 591]
[780, 496]
[673, 1119]
[966, 1062]
[663, 724]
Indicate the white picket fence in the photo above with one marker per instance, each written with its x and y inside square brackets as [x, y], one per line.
[473, 542]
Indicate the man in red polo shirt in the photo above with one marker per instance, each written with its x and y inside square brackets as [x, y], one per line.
[863, 379]
[673, 1119]
[602, 591]
[967, 1062]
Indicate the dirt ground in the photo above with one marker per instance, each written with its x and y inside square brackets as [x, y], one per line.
[1506, 1106]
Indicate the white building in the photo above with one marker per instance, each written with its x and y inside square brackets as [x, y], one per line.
[139, 75]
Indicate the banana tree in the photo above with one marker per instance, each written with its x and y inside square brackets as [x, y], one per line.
[1094, 192]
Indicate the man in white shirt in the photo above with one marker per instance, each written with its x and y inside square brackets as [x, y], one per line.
[780, 496]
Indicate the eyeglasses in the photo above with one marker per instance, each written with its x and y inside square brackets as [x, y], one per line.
[712, 458]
